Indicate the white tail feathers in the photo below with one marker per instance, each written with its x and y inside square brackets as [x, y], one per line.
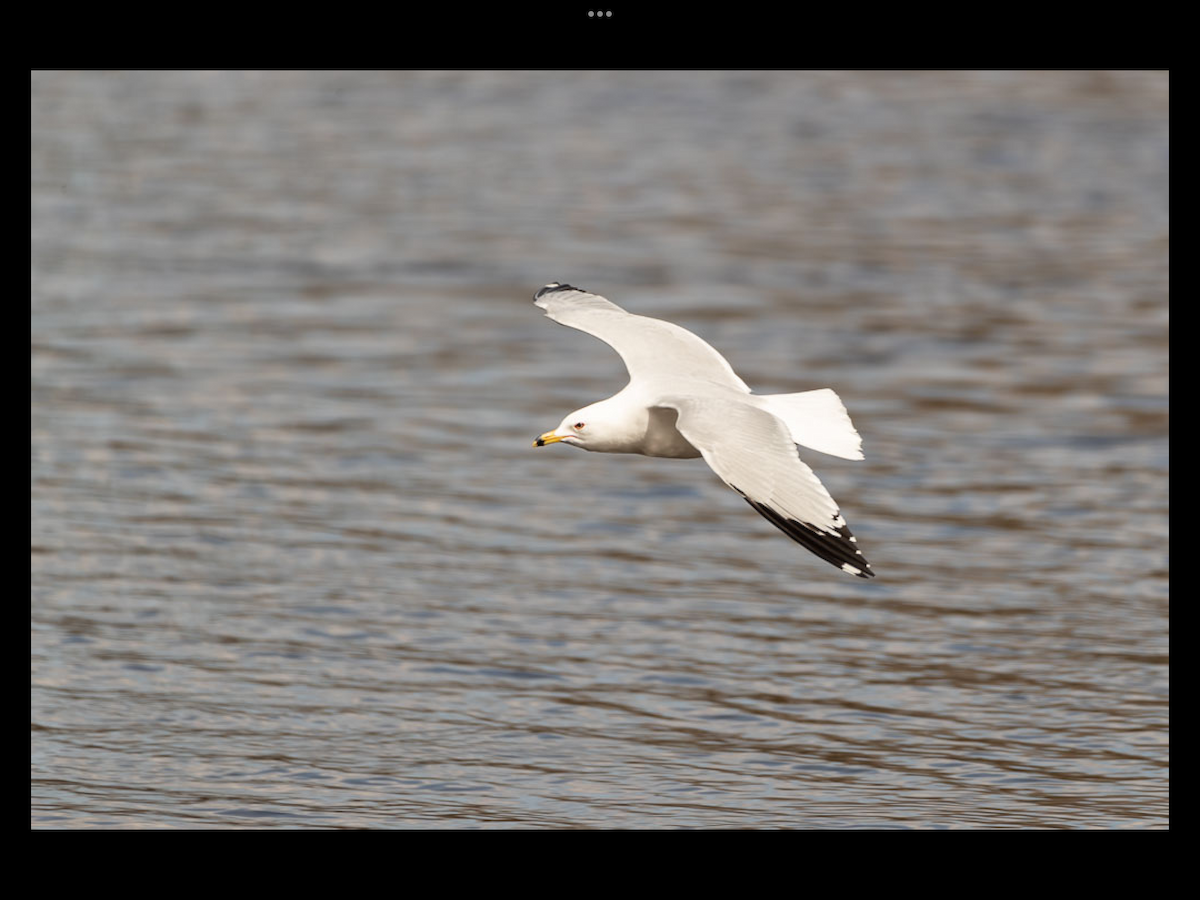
[816, 419]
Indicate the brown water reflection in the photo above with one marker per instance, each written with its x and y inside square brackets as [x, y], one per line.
[293, 562]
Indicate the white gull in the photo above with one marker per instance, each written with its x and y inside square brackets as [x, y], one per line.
[684, 400]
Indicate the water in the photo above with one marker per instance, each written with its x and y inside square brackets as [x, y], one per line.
[295, 563]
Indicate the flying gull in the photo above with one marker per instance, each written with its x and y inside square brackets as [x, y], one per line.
[684, 400]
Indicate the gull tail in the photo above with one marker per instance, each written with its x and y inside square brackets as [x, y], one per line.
[816, 419]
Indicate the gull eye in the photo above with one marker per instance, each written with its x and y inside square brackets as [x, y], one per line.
[578, 426]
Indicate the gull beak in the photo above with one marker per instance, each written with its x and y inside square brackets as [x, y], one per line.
[548, 438]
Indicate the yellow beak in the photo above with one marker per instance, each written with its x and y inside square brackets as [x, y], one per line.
[548, 438]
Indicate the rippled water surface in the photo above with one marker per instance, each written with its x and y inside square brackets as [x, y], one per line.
[295, 563]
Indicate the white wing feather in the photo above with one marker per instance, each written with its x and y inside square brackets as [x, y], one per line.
[752, 451]
[648, 346]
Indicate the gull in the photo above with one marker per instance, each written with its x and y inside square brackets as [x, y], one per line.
[685, 401]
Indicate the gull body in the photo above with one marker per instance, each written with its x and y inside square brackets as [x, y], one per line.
[684, 401]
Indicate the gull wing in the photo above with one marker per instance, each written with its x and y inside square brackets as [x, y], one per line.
[650, 348]
[753, 452]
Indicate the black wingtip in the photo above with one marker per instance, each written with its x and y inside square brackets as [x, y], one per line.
[553, 287]
[837, 551]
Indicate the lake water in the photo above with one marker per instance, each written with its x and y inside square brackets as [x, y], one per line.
[294, 562]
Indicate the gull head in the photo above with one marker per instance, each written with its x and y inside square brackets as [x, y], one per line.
[605, 427]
